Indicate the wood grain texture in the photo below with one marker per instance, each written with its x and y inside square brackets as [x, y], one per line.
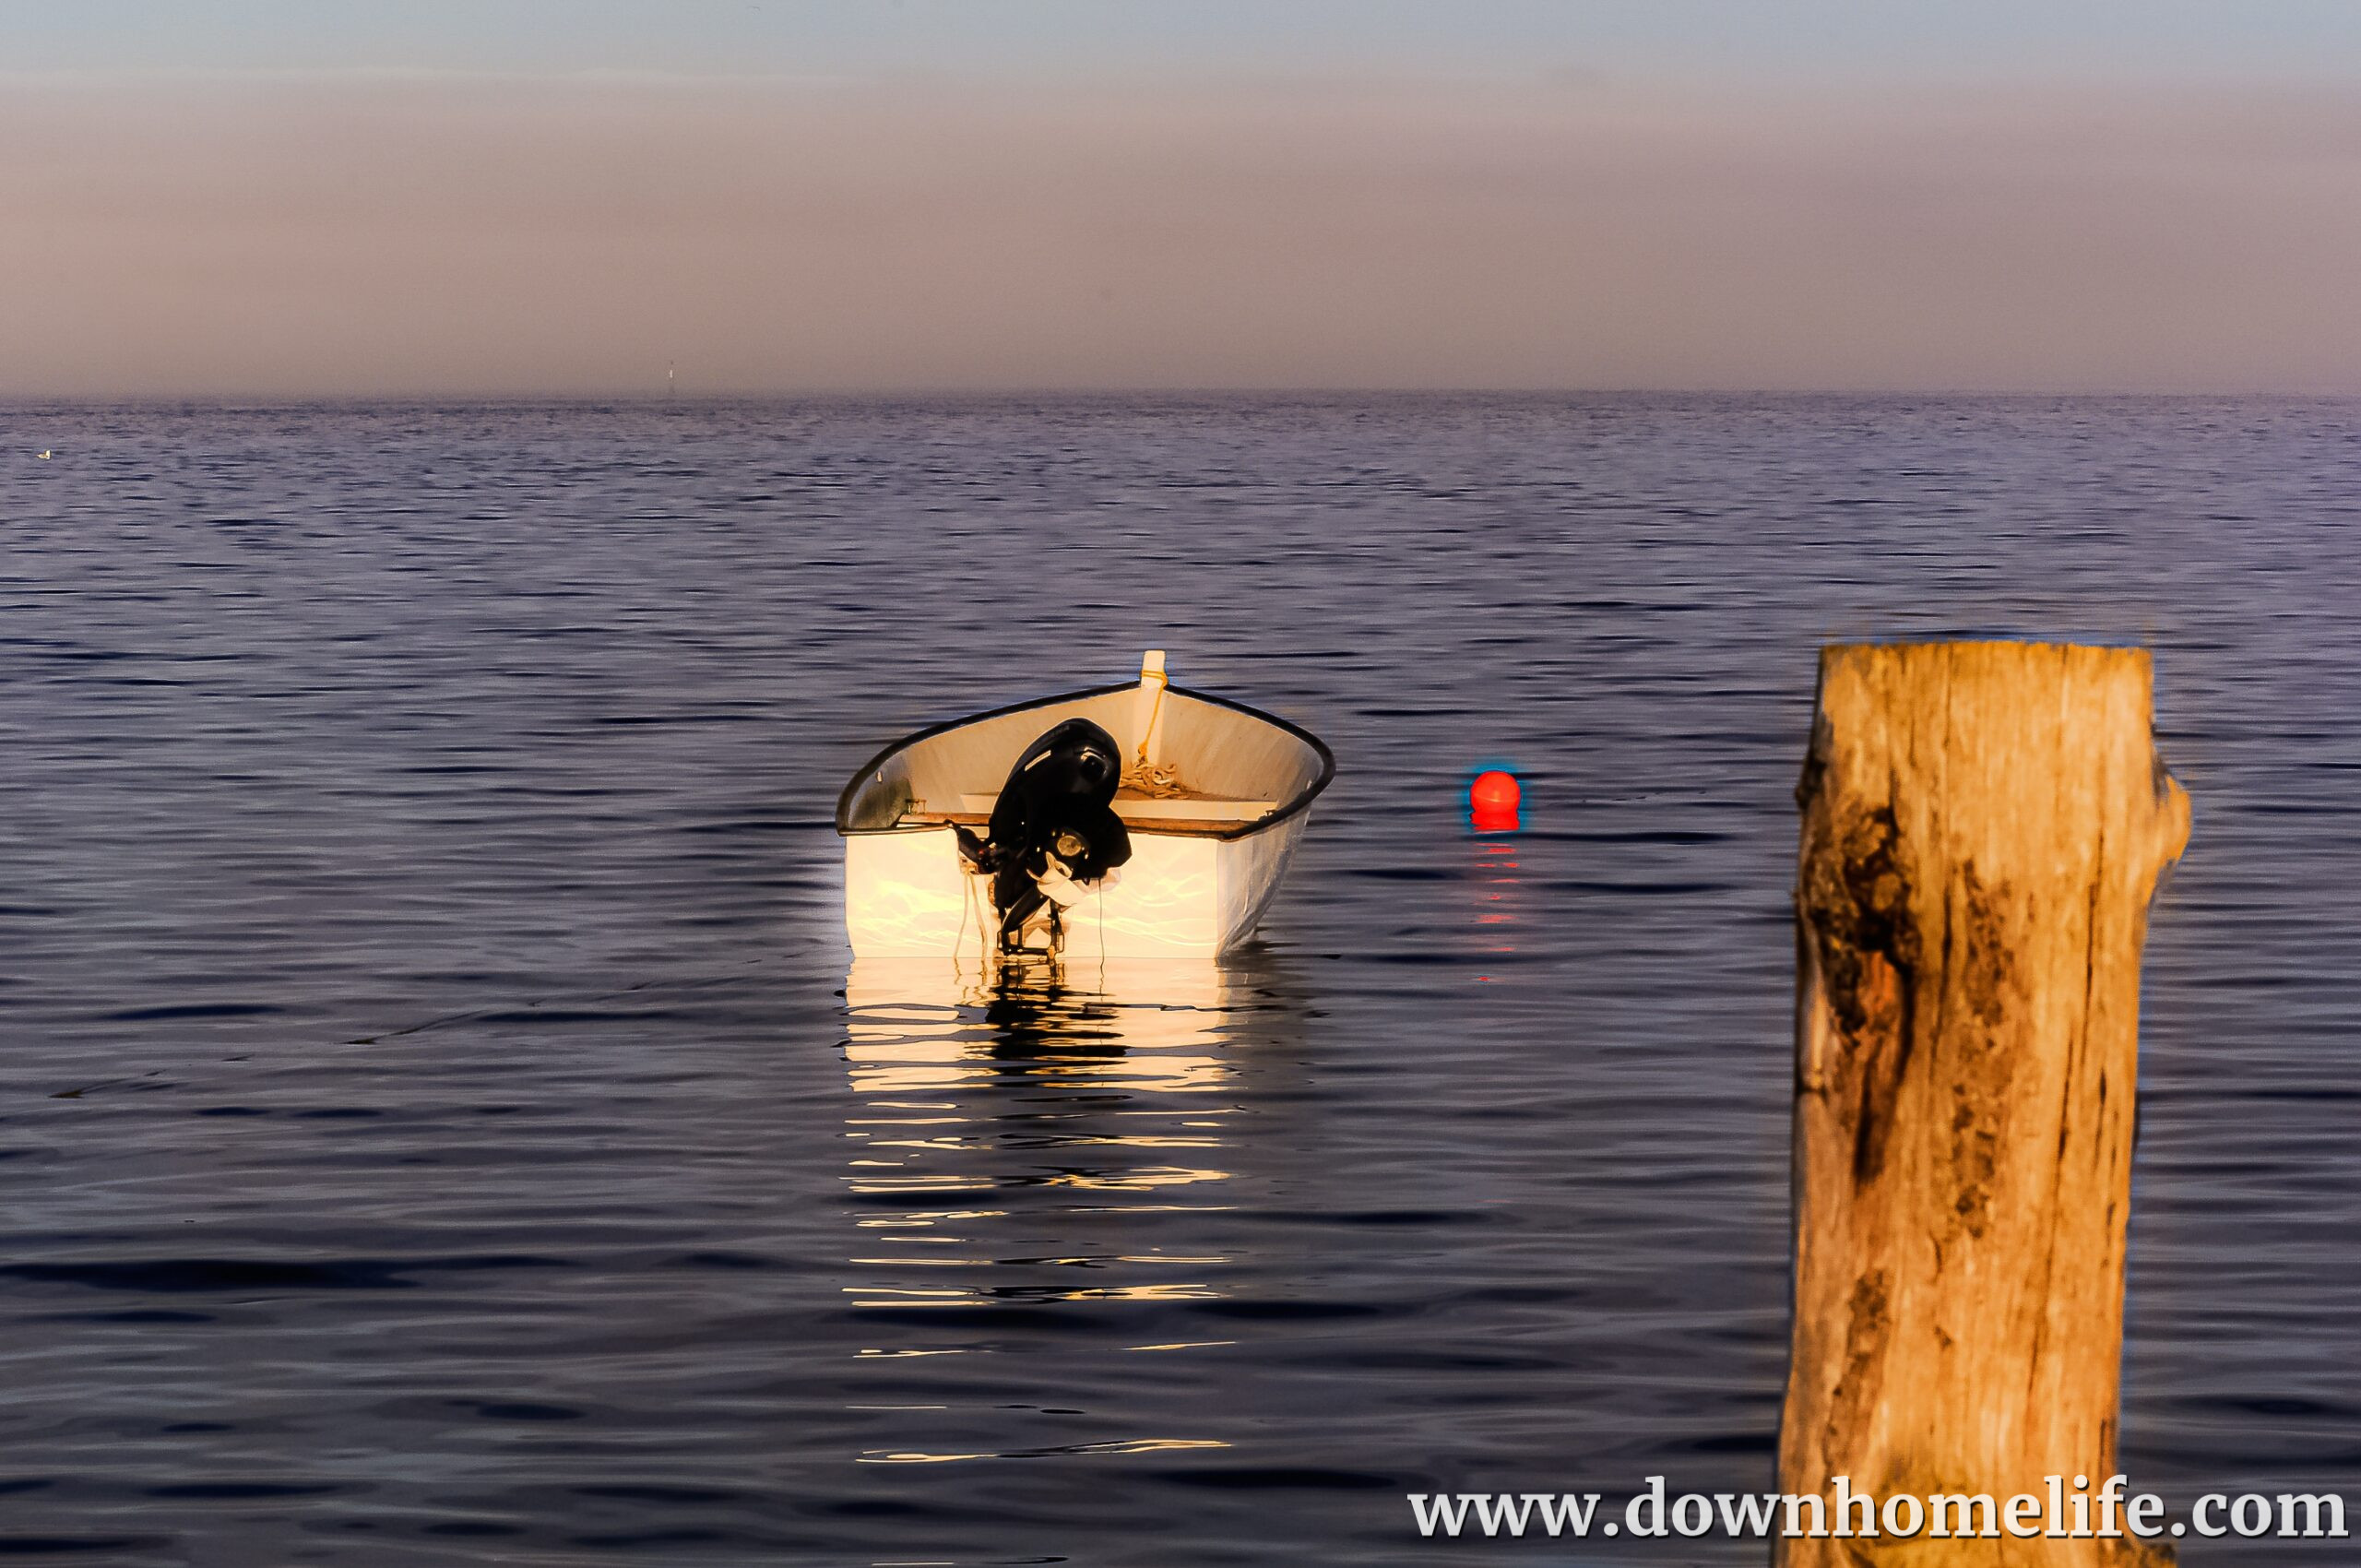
[1983, 825]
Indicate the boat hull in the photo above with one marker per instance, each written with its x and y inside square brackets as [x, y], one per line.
[907, 895]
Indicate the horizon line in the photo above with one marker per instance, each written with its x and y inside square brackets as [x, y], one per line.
[22, 400]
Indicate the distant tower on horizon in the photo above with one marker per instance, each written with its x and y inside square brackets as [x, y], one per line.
[667, 381]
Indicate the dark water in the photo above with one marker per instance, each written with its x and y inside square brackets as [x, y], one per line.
[432, 1131]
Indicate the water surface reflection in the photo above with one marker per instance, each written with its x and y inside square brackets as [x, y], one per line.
[1044, 1147]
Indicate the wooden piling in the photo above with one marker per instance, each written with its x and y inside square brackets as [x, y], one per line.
[1984, 825]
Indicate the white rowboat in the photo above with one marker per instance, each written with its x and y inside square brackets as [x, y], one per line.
[1215, 797]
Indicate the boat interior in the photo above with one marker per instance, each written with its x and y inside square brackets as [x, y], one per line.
[1193, 767]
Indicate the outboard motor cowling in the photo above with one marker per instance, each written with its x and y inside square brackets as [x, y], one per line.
[1053, 832]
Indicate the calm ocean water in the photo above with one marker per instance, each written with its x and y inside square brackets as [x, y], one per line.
[440, 1126]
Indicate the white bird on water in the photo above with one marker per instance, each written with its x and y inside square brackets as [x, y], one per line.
[44, 454]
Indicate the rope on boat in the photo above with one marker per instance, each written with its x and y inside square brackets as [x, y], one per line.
[1157, 781]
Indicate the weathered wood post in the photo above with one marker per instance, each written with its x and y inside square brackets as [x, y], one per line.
[1984, 825]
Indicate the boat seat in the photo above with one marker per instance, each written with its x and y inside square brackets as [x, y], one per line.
[1155, 808]
[1192, 814]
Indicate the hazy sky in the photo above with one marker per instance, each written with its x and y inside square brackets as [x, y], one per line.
[278, 197]
[1750, 37]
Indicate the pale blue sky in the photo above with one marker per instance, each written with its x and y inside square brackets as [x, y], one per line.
[2011, 39]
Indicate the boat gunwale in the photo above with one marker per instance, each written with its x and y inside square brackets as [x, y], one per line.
[1299, 802]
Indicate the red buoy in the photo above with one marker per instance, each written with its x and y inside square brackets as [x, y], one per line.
[1494, 790]
[1492, 802]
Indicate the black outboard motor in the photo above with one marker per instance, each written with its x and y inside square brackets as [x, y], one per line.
[1054, 826]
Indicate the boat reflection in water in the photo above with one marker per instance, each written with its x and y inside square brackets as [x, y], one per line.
[1040, 1171]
